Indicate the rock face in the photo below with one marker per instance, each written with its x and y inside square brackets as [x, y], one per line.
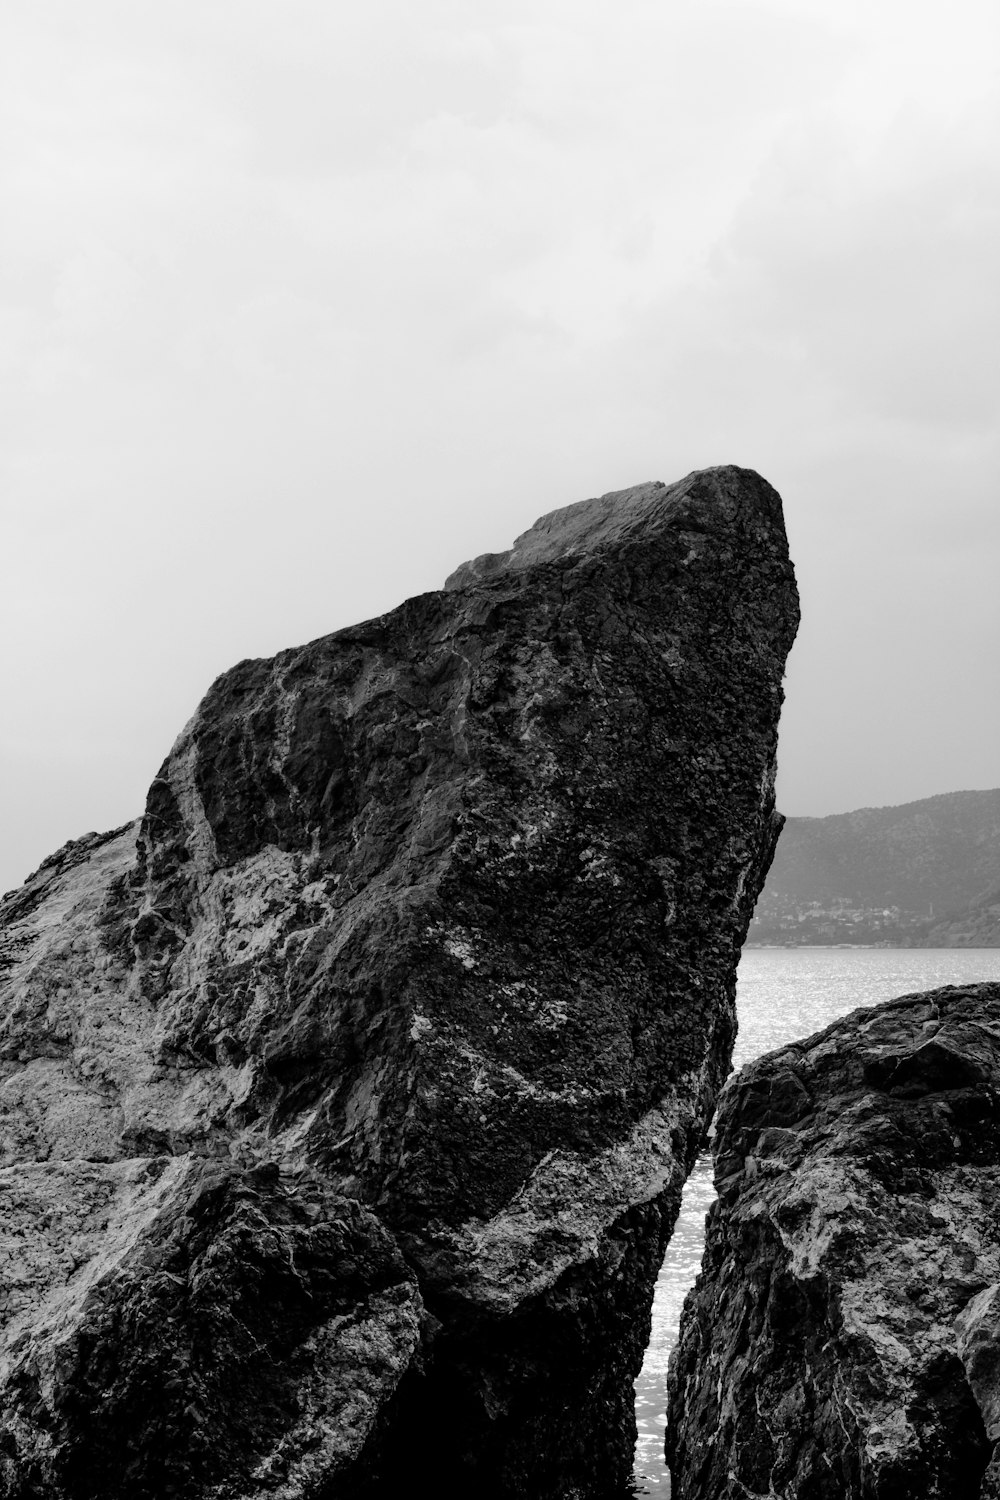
[347, 1097]
[843, 1339]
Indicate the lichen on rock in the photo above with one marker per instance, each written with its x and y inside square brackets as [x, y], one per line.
[346, 1098]
[843, 1339]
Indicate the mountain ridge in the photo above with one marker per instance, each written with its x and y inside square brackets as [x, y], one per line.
[924, 873]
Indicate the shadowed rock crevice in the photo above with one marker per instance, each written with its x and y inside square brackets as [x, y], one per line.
[435, 920]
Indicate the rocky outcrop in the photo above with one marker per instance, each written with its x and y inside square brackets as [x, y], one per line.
[346, 1098]
[843, 1339]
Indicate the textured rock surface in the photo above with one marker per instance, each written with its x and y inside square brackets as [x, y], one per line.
[346, 1098]
[844, 1337]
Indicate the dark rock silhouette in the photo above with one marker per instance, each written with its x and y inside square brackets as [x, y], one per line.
[347, 1098]
[843, 1340]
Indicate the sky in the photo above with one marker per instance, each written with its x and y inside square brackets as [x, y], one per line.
[302, 304]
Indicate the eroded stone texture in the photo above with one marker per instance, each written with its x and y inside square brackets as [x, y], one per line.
[346, 1099]
[843, 1340]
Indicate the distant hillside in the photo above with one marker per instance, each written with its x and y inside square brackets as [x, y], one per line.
[926, 873]
[977, 927]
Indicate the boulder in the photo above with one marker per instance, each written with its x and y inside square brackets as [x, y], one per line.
[843, 1339]
[347, 1096]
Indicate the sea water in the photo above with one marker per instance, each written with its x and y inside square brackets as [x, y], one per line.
[782, 994]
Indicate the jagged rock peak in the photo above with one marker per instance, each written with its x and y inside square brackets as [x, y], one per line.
[347, 1099]
[843, 1339]
[591, 526]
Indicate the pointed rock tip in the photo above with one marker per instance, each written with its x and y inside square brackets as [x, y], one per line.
[588, 526]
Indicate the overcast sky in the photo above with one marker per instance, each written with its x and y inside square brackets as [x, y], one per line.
[303, 303]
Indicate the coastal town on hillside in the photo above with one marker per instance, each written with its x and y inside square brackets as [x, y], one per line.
[780, 921]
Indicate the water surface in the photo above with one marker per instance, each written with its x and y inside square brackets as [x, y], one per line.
[782, 994]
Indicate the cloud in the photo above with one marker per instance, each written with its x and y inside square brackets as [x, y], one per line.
[302, 304]
[880, 267]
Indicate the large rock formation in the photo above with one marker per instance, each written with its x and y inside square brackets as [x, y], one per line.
[843, 1340]
[347, 1097]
